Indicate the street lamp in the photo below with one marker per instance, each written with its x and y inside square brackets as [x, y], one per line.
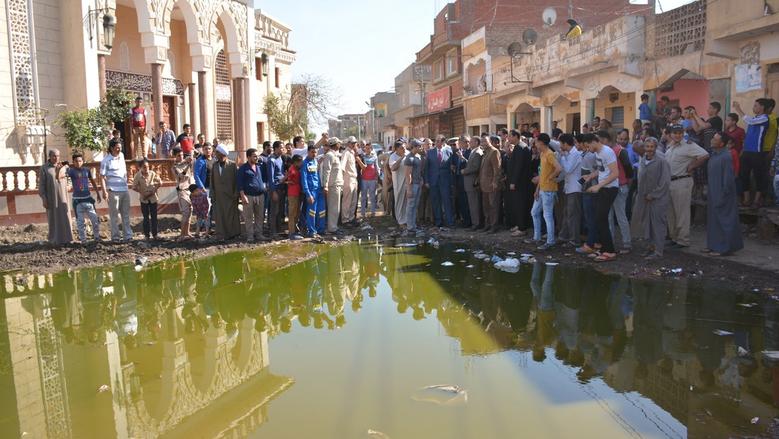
[109, 26]
[264, 63]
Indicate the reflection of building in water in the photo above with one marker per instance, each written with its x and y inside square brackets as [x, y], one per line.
[34, 395]
[64, 381]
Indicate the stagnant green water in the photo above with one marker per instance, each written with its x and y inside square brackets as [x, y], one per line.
[344, 345]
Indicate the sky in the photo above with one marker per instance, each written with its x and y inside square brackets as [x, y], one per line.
[359, 46]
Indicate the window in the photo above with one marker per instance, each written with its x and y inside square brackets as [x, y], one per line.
[451, 63]
[258, 68]
[277, 74]
[439, 70]
[617, 117]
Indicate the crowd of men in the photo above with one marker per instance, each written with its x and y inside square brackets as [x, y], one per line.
[596, 190]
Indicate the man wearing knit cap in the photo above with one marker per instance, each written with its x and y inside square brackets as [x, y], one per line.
[224, 192]
[333, 183]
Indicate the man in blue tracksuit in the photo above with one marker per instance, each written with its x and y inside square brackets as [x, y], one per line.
[313, 194]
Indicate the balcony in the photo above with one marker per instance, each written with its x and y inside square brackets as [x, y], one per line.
[728, 21]
[618, 44]
[680, 31]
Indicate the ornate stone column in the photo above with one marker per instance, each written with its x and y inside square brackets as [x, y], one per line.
[101, 74]
[239, 117]
[202, 104]
[156, 92]
[192, 109]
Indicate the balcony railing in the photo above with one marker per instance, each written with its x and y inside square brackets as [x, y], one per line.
[24, 179]
[619, 43]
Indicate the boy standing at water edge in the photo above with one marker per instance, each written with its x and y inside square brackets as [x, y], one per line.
[83, 203]
[200, 206]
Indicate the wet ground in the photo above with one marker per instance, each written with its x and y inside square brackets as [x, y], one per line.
[380, 340]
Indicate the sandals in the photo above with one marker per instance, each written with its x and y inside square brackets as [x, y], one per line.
[606, 257]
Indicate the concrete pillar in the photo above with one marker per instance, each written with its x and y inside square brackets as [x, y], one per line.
[202, 105]
[239, 118]
[546, 119]
[192, 109]
[101, 74]
[156, 92]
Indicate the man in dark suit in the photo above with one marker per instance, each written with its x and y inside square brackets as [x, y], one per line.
[438, 178]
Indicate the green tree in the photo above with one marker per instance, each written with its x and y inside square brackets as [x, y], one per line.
[116, 104]
[290, 113]
[85, 129]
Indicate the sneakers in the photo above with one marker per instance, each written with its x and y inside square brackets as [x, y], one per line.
[545, 246]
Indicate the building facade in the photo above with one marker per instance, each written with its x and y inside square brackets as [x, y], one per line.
[381, 126]
[348, 125]
[207, 63]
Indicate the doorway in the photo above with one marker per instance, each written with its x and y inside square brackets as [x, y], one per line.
[169, 112]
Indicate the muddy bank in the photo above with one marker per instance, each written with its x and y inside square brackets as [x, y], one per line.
[674, 264]
[24, 248]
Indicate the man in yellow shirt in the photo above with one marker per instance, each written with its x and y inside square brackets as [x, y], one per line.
[546, 192]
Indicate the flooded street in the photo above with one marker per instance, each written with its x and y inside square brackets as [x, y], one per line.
[381, 341]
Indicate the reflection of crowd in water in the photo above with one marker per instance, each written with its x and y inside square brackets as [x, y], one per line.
[203, 294]
[637, 335]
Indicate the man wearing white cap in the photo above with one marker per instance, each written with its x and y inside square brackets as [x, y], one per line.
[333, 183]
[224, 191]
[349, 166]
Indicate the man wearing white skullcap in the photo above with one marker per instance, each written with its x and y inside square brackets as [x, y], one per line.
[224, 191]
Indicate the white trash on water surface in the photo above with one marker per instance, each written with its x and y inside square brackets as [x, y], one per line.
[442, 394]
[447, 264]
[377, 434]
[460, 250]
[510, 265]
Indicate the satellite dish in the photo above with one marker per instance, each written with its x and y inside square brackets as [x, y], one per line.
[515, 49]
[549, 16]
[530, 36]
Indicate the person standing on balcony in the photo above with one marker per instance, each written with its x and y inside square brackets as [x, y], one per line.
[164, 141]
[53, 190]
[224, 194]
[185, 141]
[113, 170]
[758, 144]
[138, 118]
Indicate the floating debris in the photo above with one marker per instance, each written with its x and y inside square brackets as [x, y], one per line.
[755, 420]
[103, 388]
[552, 264]
[469, 266]
[746, 305]
[510, 265]
[406, 244]
[460, 250]
[496, 259]
[447, 264]
[442, 394]
[377, 434]
[511, 254]
[722, 332]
